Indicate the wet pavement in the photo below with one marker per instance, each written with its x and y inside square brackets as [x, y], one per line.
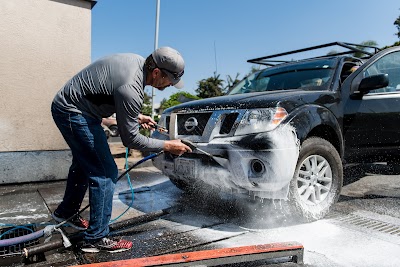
[363, 228]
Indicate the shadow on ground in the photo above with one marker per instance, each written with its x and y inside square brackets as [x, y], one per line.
[220, 207]
[353, 173]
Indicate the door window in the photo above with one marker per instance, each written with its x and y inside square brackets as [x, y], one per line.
[389, 64]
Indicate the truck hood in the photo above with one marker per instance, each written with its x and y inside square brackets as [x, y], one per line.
[289, 99]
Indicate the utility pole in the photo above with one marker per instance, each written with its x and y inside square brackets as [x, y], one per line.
[215, 55]
[155, 47]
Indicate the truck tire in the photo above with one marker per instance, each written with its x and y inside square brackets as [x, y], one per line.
[317, 180]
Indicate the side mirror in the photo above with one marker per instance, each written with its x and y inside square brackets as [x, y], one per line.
[373, 82]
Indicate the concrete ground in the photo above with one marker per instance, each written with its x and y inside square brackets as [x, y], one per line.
[363, 228]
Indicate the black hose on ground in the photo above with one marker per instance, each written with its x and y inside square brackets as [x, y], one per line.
[140, 219]
[51, 245]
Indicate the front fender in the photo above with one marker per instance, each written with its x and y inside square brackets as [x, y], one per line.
[319, 120]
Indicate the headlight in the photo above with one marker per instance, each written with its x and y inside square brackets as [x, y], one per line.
[260, 120]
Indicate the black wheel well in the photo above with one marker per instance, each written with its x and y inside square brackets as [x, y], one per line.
[328, 133]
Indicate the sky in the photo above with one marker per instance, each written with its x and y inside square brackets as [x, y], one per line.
[219, 36]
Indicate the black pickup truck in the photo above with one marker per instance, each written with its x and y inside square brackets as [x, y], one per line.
[286, 131]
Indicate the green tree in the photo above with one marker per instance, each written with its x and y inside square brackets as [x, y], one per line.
[368, 43]
[210, 87]
[176, 99]
[332, 52]
[163, 104]
[146, 108]
[395, 44]
[361, 47]
[397, 24]
[254, 69]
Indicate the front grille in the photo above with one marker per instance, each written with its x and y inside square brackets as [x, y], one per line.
[192, 124]
[11, 232]
[167, 120]
[228, 122]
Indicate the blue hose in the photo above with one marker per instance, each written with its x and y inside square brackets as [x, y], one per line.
[15, 227]
[21, 239]
[129, 178]
[130, 186]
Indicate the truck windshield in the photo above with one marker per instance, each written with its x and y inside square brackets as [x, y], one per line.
[312, 75]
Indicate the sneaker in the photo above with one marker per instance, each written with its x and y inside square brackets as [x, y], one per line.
[106, 244]
[76, 222]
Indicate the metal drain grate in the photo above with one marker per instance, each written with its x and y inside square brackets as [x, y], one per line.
[17, 232]
[372, 224]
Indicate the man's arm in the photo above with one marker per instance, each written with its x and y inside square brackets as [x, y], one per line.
[128, 103]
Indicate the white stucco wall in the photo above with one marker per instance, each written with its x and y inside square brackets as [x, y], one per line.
[42, 44]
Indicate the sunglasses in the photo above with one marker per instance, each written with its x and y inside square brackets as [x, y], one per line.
[176, 75]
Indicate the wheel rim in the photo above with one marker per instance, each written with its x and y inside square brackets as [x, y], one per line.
[114, 130]
[314, 180]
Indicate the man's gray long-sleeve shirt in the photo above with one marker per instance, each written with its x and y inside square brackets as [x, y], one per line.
[113, 84]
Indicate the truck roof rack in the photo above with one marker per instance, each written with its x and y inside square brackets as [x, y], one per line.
[352, 48]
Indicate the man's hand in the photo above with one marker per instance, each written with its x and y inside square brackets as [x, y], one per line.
[176, 147]
[146, 122]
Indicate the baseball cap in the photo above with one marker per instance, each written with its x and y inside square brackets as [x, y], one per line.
[171, 63]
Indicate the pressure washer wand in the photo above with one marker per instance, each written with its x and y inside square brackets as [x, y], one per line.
[221, 161]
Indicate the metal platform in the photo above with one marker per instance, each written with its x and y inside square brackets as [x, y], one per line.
[246, 254]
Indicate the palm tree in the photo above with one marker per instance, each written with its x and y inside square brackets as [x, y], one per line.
[397, 24]
[210, 87]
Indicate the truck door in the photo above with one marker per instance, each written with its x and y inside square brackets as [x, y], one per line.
[373, 121]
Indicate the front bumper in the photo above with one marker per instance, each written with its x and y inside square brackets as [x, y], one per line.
[264, 172]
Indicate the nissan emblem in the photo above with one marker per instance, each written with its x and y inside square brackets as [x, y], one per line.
[190, 124]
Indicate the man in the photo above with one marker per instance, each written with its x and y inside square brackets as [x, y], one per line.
[113, 84]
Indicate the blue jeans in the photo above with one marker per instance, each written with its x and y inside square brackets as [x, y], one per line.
[93, 167]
